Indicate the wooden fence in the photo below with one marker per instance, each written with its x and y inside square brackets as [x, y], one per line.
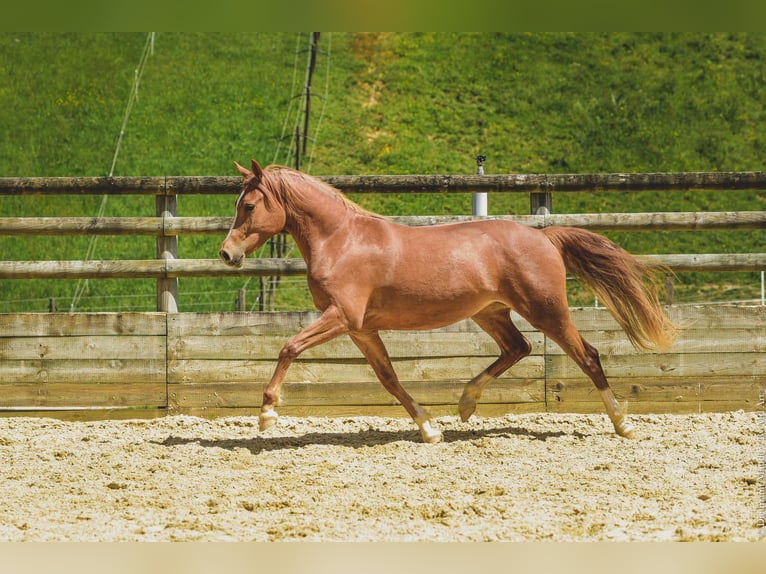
[217, 363]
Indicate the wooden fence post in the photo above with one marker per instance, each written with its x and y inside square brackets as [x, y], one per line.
[167, 248]
[669, 289]
[541, 203]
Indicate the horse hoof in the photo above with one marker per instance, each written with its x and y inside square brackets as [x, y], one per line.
[624, 429]
[267, 419]
[432, 436]
[429, 434]
[466, 408]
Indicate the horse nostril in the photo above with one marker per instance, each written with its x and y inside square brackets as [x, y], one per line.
[224, 255]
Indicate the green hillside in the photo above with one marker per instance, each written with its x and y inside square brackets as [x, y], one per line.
[385, 103]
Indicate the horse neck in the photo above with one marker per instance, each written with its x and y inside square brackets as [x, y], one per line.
[312, 216]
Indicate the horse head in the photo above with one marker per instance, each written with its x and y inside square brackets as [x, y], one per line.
[259, 215]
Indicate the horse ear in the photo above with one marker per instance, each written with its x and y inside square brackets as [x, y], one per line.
[243, 170]
[257, 171]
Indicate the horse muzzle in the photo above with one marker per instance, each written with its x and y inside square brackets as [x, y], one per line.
[232, 258]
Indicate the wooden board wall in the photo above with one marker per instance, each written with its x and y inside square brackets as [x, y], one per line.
[82, 360]
[214, 371]
[218, 363]
[717, 363]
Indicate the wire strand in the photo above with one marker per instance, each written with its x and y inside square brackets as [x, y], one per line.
[324, 102]
[291, 100]
[148, 50]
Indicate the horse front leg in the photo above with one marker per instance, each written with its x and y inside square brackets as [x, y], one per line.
[329, 325]
[373, 349]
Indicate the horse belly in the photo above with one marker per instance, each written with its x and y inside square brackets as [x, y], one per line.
[434, 298]
[401, 317]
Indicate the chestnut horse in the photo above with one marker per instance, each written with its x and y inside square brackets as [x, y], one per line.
[367, 273]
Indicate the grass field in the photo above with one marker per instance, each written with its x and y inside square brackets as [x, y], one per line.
[385, 103]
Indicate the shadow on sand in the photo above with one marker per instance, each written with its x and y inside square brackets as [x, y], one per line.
[360, 439]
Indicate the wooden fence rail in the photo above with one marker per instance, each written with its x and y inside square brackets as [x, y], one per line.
[520, 183]
[263, 267]
[173, 226]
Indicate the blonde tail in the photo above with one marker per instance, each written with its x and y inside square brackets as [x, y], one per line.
[628, 287]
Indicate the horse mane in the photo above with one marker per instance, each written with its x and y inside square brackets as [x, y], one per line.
[281, 173]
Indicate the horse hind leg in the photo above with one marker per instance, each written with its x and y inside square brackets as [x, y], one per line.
[593, 368]
[496, 321]
[587, 358]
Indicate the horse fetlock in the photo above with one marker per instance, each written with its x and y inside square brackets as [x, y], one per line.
[267, 419]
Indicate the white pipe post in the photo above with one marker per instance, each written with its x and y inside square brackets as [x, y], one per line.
[479, 198]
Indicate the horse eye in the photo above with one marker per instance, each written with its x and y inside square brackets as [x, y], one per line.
[249, 207]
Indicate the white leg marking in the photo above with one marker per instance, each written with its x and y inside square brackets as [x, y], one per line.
[267, 418]
[621, 426]
[430, 435]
